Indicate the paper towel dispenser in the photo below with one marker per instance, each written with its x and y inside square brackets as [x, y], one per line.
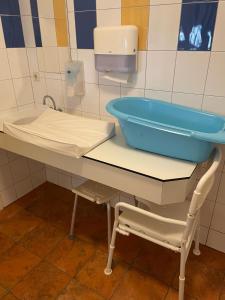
[115, 48]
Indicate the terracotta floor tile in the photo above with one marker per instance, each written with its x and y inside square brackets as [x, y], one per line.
[54, 210]
[15, 264]
[70, 256]
[20, 224]
[9, 211]
[75, 291]
[5, 243]
[137, 285]
[173, 295]
[43, 282]
[9, 297]
[127, 247]
[210, 257]
[153, 259]
[2, 292]
[92, 275]
[201, 282]
[29, 198]
[42, 239]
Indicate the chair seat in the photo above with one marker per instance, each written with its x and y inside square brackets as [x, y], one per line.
[169, 233]
[95, 192]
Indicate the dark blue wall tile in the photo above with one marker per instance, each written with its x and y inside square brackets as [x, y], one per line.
[13, 32]
[34, 8]
[85, 24]
[37, 32]
[81, 5]
[197, 26]
[9, 7]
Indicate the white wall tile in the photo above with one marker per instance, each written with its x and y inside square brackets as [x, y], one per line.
[102, 4]
[7, 96]
[19, 169]
[107, 93]
[2, 39]
[55, 89]
[160, 70]
[218, 38]
[35, 166]
[3, 157]
[138, 79]
[109, 17]
[90, 101]
[214, 104]
[6, 179]
[28, 31]
[203, 234]
[23, 90]
[87, 56]
[41, 59]
[38, 178]
[72, 30]
[206, 213]
[51, 175]
[45, 8]
[221, 192]
[4, 70]
[23, 187]
[130, 92]
[77, 180]
[8, 195]
[48, 33]
[32, 60]
[164, 24]
[18, 62]
[63, 58]
[215, 84]
[70, 5]
[218, 220]
[216, 240]
[39, 89]
[158, 95]
[159, 2]
[65, 181]
[190, 100]
[51, 59]
[191, 70]
[25, 9]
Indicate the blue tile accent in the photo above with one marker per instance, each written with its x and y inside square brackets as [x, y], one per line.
[37, 32]
[85, 24]
[9, 7]
[34, 8]
[81, 5]
[197, 26]
[13, 31]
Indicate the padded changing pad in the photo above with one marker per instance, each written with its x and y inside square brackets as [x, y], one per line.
[61, 132]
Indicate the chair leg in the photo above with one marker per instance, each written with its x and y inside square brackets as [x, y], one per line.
[71, 235]
[182, 275]
[108, 269]
[196, 250]
[109, 223]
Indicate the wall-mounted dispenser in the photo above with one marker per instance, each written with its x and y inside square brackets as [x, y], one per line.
[74, 76]
[116, 51]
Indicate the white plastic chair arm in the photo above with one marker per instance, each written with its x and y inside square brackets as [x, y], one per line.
[146, 213]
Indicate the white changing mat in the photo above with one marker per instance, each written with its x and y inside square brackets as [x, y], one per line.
[61, 132]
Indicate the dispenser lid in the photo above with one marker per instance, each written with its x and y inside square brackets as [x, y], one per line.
[117, 40]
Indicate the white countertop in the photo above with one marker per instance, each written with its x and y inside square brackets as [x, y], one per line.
[117, 153]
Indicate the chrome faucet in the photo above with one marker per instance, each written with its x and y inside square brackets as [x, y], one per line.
[51, 99]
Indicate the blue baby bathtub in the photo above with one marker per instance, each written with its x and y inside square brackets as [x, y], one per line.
[168, 129]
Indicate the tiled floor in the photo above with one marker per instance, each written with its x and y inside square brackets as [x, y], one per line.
[39, 262]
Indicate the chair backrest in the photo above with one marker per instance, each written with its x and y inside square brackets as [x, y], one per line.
[201, 192]
[205, 183]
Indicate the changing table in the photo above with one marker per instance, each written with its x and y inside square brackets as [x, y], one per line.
[149, 176]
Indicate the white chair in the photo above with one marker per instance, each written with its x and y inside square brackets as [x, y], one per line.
[171, 226]
[95, 192]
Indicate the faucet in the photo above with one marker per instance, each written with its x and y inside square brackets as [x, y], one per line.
[51, 99]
